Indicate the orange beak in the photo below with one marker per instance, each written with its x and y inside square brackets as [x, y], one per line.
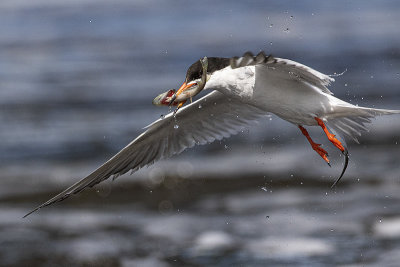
[184, 87]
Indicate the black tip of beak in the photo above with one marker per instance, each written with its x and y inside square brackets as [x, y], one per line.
[172, 100]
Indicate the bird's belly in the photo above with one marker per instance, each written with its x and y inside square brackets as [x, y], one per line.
[291, 100]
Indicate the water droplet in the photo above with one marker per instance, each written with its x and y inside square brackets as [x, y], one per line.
[287, 30]
[372, 76]
[267, 216]
[291, 175]
[291, 17]
[345, 84]
[264, 188]
[200, 106]
[380, 220]
[225, 146]
[176, 126]
[270, 118]
[162, 116]
[270, 43]
[271, 25]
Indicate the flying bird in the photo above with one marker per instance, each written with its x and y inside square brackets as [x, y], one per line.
[243, 89]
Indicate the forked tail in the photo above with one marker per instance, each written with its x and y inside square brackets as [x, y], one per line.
[350, 120]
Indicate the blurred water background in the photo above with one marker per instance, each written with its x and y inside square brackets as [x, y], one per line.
[76, 83]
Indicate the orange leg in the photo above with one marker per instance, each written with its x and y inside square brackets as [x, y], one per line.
[315, 146]
[338, 144]
[179, 106]
[330, 136]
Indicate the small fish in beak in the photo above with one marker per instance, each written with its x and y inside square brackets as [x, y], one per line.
[169, 99]
[165, 99]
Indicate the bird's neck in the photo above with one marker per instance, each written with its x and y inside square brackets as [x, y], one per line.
[238, 83]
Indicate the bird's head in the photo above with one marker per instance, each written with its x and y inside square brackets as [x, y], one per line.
[195, 81]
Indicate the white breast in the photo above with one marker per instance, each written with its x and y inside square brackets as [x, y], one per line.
[235, 82]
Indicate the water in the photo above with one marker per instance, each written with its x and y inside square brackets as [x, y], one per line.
[77, 80]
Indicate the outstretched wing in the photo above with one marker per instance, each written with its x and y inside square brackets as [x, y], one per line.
[210, 118]
[288, 69]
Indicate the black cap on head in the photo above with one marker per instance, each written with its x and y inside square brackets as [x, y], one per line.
[214, 63]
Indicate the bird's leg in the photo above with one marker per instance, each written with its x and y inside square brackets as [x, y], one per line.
[336, 143]
[179, 106]
[330, 136]
[314, 145]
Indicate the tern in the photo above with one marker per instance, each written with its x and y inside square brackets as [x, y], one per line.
[243, 89]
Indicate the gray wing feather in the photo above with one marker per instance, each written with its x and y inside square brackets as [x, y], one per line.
[210, 118]
[289, 68]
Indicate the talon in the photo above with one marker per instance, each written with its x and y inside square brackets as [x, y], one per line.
[322, 152]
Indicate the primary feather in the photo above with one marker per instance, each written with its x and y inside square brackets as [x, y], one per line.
[210, 118]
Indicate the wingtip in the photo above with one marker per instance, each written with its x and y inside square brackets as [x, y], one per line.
[32, 211]
[63, 195]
